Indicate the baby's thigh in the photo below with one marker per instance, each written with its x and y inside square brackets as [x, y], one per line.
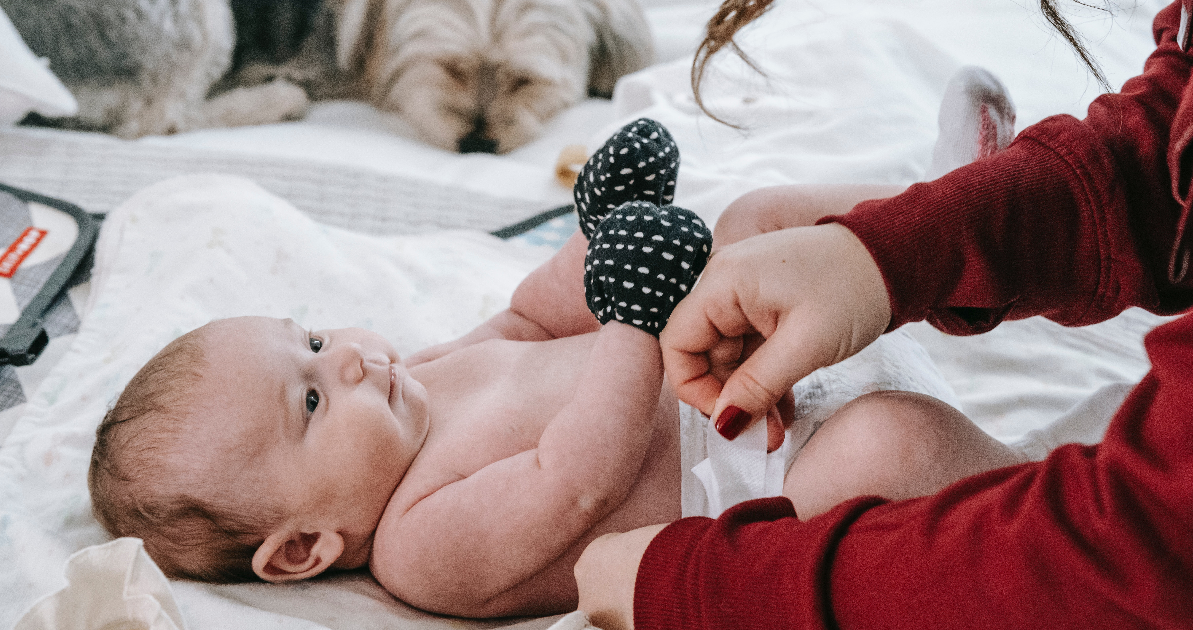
[896, 445]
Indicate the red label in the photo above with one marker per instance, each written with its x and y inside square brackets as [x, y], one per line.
[12, 258]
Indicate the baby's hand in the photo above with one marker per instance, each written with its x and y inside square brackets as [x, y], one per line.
[638, 163]
[642, 260]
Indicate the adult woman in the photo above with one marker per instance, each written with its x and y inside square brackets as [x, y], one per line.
[1077, 220]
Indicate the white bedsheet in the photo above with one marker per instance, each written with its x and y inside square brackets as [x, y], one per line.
[851, 95]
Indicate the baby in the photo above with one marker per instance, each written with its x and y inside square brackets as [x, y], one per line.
[470, 478]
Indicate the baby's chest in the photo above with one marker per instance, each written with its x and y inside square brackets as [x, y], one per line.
[477, 429]
[485, 430]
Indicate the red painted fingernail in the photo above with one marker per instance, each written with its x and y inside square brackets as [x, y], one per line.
[732, 422]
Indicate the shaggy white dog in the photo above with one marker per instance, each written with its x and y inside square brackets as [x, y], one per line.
[141, 67]
[485, 75]
[469, 75]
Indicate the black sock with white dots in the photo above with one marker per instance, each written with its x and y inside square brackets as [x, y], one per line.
[642, 259]
[638, 163]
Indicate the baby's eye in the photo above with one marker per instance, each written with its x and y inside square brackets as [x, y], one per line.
[316, 344]
[312, 400]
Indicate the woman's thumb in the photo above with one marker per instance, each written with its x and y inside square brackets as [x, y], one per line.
[758, 383]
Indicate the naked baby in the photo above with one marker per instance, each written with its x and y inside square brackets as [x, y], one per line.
[469, 479]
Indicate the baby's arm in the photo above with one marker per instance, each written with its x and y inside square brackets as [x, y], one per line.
[637, 164]
[472, 547]
[514, 518]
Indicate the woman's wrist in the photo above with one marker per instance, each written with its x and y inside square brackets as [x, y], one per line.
[606, 575]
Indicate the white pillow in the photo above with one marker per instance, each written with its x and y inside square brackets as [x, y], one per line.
[26, 83]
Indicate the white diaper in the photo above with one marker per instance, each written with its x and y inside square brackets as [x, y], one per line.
[718, 474]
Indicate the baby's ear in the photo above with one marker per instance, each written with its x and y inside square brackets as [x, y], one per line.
[292, 556]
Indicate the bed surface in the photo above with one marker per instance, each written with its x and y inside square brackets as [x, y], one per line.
[850, 95]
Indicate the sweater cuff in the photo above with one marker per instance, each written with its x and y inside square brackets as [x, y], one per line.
[1021, 233]
[757, 566]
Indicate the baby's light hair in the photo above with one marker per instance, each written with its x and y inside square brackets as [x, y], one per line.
[133, 494]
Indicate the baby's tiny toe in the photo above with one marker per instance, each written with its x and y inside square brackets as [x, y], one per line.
[638, 163]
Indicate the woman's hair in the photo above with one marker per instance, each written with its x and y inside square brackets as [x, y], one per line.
[736, 14]
[134, 479]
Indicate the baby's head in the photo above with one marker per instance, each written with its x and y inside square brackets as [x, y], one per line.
[251, 447]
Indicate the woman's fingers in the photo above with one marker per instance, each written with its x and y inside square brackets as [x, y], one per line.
[757, 384]
[725, 356]
[813, 293]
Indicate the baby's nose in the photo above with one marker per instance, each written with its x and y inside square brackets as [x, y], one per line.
[352, 362]
[374, 366]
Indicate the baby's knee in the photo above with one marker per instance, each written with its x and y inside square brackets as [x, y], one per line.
[898, 445]
[910, 431]
[896, 417]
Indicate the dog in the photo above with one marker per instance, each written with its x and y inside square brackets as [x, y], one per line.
[487, 75]
[142, 67]
[468, 75]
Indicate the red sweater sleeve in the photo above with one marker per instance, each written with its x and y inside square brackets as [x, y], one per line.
[1076, 220]
[1093, 537]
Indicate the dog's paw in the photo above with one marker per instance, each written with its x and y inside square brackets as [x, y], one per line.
[638, 163]
[642, 260]
[257, 105]
[288, 101]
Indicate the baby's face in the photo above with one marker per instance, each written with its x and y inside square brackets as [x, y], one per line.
[328, 421]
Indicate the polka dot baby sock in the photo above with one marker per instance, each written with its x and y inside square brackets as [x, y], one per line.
[642, 261]
[638, 163]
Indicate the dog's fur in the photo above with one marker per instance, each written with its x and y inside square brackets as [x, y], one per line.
[485, 75]
[469, 75]
[141, 67]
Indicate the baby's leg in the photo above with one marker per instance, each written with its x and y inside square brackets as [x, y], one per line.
[896, 445]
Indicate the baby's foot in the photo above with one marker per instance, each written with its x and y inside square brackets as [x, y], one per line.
[642, 260]
[977, 120]
[638, 163]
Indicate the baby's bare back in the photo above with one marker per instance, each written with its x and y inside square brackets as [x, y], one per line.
[534, 450]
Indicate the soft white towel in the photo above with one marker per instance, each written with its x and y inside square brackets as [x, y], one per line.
[113, 585]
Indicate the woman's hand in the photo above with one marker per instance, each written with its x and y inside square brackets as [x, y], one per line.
[606, 573]
[767, 312]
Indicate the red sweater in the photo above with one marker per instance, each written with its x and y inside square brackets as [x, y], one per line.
[1076, 221]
